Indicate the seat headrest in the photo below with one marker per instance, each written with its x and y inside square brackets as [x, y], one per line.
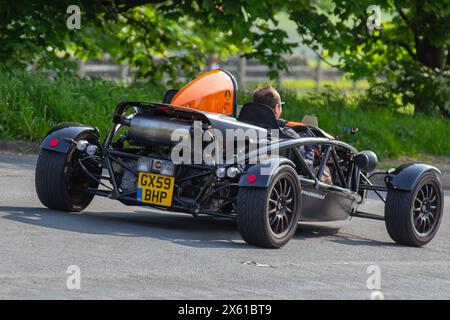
[169, 95]
[259, 115]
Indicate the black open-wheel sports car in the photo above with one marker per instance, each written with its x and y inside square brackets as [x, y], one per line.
[267, 195]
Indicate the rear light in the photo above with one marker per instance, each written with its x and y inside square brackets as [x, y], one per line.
[221, 172]
[82, 145]
[54, 142]
[232, 172]
[251, 178]
[167, 168]
[91, 149]
[145, 164]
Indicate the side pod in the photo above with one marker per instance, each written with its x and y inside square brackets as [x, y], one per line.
[59, 138]
[406, 176]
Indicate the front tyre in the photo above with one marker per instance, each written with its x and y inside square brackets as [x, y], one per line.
[60, 182]
[268, 217]
[413, 217]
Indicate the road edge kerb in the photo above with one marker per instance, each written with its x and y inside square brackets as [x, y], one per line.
[24, 147]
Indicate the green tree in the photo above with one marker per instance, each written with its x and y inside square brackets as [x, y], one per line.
[158, 37]
[407, 61]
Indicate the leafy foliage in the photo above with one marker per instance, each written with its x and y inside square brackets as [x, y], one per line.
[407, 61]
[161, 38]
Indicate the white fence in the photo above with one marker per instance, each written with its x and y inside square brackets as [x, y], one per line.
[105, 69]
[245, 70]
[254, 71]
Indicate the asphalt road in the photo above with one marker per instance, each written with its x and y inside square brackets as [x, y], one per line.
[132, 252]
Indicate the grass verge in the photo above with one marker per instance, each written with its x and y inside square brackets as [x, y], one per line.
[30, 104]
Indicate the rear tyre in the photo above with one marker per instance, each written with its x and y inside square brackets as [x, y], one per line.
[268, 217]
[60, 182]
[413, 218]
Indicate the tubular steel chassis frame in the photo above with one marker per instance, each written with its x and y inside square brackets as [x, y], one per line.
[109, 154]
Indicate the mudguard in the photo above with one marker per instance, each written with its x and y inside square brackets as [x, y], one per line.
[259, 175]
[406, 176]
[59, 138]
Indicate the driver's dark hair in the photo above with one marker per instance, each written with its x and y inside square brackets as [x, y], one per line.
[266, 95]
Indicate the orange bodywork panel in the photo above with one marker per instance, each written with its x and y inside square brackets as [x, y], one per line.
[294, 124]
[214, 91]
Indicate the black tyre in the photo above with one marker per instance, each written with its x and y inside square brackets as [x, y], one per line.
[60, 182]
[268, 217]
[413, 218]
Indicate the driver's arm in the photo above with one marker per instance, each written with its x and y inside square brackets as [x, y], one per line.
[306, 151]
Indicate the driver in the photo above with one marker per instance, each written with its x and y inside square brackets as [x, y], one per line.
[270, 97]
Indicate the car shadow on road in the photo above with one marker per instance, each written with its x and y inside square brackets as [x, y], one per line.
[178, 228]
[335, 234]
[182, 229]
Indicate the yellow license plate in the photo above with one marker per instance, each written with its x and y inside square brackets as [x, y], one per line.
[155, 189]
